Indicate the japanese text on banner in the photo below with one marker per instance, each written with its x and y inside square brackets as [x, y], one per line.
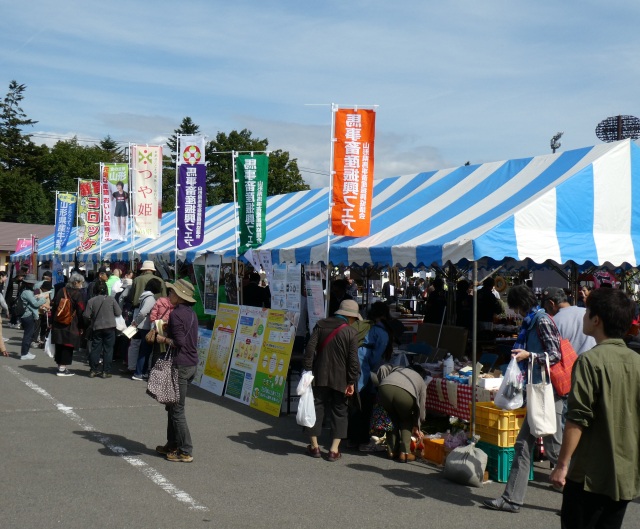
[147, 190]
[65, 218]
[89, 215]
[252, 172]
[353, 172]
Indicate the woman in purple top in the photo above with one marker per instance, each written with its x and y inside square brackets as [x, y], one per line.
[182, 337]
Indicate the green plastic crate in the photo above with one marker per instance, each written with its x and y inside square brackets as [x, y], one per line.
[499, 461]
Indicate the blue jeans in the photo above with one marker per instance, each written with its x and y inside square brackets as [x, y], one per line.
[178, 434]
[516, 488]
[142, 364]
[29, 325]
[102, 342]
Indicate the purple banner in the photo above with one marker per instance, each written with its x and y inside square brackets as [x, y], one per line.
[192, 200]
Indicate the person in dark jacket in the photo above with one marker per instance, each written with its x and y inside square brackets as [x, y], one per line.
[67, 338]
[101, 313]
[488, 305]
[182, 335]
[253, 295]
[332, 355]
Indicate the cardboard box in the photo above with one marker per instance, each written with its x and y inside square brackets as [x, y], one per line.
[491, 384]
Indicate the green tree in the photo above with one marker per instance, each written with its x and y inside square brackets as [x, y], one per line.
[187, 127]
[16, 147]
[113, 152]
[23, 199]
[67, 161]
[284, 176]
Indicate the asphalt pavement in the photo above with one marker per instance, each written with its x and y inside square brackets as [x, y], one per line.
[79, 453]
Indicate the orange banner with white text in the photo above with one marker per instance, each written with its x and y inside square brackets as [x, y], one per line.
[353, 172]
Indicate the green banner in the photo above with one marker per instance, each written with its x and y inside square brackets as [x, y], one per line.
[251, 173]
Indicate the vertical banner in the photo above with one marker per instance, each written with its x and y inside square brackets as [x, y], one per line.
[21, 244]
[353, 172]
[65, 219]
[34, 255]
[115, 201]
[191, 149]
[146, 177]
[252, 175]
[88, 215]
[192, 198]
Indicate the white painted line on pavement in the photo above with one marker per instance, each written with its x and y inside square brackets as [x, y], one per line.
[135, 462]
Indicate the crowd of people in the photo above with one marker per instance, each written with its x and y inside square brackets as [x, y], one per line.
[594, 453]
[80, 318]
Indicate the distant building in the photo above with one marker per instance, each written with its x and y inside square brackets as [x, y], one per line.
[10, 232]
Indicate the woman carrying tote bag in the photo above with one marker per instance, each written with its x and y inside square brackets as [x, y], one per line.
[538, 335]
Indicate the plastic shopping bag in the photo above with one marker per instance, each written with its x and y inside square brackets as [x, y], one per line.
[120, 324]
[511, 393]
[306, 415]
[48, 346]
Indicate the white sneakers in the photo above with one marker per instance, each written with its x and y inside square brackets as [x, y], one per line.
[28, 356]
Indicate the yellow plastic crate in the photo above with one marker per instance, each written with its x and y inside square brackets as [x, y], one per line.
[498, 427]
[433, 450]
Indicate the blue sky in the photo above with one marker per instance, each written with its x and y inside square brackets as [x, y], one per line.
[454, 81]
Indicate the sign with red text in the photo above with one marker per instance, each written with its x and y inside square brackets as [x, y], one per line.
[88, 215]
[353, 172]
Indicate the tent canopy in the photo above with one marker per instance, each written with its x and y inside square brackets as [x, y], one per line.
[580, 205]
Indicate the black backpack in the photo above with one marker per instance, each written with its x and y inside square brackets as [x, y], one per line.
[20, 307]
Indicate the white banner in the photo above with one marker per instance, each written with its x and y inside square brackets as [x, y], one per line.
[146, 172]
[191, 150]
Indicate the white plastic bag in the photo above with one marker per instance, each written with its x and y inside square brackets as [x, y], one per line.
[48, 346]
[120, 323]
[541, 408]
[511, 395]
[306, 415]
[466, 465]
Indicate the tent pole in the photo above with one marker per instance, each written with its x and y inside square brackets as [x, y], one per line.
[474, 343]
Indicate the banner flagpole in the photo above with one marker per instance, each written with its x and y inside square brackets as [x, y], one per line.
[176, 208]
[131, 217]
[334, 108]
[234, 154]
[101, 213]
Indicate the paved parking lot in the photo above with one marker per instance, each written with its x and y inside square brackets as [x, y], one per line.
[79, 452]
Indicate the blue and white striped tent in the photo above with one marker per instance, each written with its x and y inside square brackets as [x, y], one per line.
[581, 205]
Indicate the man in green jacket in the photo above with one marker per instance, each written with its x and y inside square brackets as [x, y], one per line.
[599, 462]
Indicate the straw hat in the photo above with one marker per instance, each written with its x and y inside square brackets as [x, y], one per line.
[349, 307]
[148, 265]
[183, 289]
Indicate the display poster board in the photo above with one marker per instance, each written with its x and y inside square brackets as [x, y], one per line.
[217, 363]
[285, 286]
[213, 263]
[246, 353]
[204, 342]
[315, 294]
[273, 364]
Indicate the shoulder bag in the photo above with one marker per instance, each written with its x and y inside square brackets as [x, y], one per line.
[541, 408]
[561, 371]
[163, 380]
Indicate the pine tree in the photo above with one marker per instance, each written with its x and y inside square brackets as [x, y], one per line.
[16, 147]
